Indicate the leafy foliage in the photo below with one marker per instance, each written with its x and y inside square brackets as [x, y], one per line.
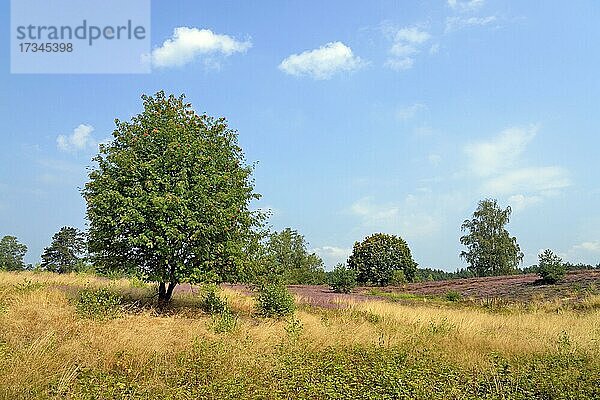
[550, 267]
[342, 279]
[11, 254]
[377, 257]
[98, 304]
[275, 300]
[490, 248]
[65, 252]
[288, 259]
[169, 199]
[211, 302]
[453, 295]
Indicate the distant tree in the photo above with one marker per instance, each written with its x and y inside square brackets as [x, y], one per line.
[550, 267]
[490, 248]
[342, 279]
[287, 257]
[169, 198]
[65, 252]
[11, 254]
[377, 257]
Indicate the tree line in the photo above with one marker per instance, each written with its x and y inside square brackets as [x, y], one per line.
[168, 200]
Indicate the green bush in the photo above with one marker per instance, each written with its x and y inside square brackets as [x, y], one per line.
[453, 295]
[275, 300]
[342, 279]
[211, 302]
[377, 257]
[98, 304]
[551, 268]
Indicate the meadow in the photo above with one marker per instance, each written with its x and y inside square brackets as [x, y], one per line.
[77, 336]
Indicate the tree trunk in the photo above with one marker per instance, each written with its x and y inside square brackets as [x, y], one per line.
[165, 293]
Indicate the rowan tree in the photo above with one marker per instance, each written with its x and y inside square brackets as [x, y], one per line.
[169, 198]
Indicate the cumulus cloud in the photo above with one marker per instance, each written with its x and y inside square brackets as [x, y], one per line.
[491, 156]
[407, 43]
[465, 5]
[499, 163]
[187, 44]
[322, 63]
[544, 180]
[406, 218]
[457, 23]
[519, 202]
[80, 139]
[593, 247]
[332, 255]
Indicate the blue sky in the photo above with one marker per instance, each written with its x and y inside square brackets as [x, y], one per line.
[364, 117]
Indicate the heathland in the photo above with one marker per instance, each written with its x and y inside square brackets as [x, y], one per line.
[78, 336]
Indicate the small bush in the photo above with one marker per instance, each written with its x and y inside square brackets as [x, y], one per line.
[275, 300]
[342, 279]
[98, 304]
[226, 321]
[294, 329]
[551, 268]
[453, 295]
[211, 302]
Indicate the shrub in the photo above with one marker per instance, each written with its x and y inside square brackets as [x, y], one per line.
[551, 268]
[453, 295]
[211, 302]
[377, 257]
[274, 300]
[98, 304]
[342, 279]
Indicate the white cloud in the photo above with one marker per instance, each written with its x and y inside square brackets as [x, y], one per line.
[406, 218]
[322, 63]
[519, 202]
[408, 112]
[465, 5]
[456, 23]
[489, 157]
[407, 43]
[543, 180]
[80, 139]
[187, 44]
[593, 247]
[332, 255]
[500, 164]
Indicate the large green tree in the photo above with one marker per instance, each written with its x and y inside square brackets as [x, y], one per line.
[490, 248]
[379, 256]
[288, 258]
[169, 198]
[66, 250]
[11, 254]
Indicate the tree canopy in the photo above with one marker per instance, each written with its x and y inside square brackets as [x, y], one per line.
[379, 256]
[11, 254]
[490, 248]
[287, 257]
[169, 198]
[66, 250]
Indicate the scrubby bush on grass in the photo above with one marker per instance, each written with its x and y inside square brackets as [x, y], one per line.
[98, 304]
[453, 295]
[551, 268]
[211, 302]
[342, 279]
[274, 300]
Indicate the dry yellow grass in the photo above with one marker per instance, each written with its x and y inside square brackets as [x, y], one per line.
[43, 340]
